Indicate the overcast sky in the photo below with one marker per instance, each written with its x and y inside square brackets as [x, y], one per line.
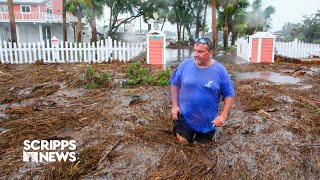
[290, 10]
[286, 11]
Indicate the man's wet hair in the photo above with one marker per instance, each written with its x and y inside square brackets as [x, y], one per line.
[205, 41]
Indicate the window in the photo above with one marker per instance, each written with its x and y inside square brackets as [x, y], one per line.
[49, 10]
[25, 9]
[3, 8]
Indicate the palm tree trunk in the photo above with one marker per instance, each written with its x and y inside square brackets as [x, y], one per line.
[226, 32]
[79, 29]
[198, 23]
[234, 38]
[12, 22]
[64, 19]
[149, 27]
[111, 10]
[214, 25]
[163, 24]
[183, 33]
[94, 30]
[204, 19]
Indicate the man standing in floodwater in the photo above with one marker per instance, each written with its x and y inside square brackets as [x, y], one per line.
[196, 88]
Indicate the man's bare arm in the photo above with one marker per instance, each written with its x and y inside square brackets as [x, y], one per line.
[221, 118]
[175, 104]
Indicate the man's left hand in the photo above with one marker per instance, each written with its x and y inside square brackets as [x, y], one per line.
[219, 121]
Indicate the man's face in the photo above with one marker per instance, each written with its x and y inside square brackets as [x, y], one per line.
[201, 54]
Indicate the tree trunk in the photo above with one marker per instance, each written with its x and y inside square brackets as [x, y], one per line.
[93, 30]
[64, 21]
[163, 24]
[204, 19]
[12, 22]
[177, 21]
[226, 32]
[109, 30]
[183, 33]
[79, 27]
[178, 32]
[214, 25]
[233, 38]
[190, 35]
[73, 24]
[198, 23]
[149, 27]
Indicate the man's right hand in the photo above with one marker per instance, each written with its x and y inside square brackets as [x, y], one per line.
[175, 111]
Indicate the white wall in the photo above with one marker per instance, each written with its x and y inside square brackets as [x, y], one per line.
[4, 32]
[56, 30]
[28, 33]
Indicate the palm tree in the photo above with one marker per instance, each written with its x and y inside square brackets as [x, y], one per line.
[12, 21]
[64, 21]
[230, 7]
[257, 19]
[75, 7]
[214, 25]
[93, 10]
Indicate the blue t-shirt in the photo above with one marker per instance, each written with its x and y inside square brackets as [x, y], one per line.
[200, 90]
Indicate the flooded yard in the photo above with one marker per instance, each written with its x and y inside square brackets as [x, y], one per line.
[273, 132]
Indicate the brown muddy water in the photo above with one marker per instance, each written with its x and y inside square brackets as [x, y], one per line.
[268, 76]
[273, 132]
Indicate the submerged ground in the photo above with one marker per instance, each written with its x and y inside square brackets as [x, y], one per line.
[125, 133]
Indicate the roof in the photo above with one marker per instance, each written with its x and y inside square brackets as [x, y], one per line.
[263, 35]
[25, 1]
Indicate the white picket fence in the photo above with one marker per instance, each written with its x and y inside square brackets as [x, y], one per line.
[297, 49]
[67, 52]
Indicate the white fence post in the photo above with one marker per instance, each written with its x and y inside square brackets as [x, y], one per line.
[10, 53]
[34, 52]
[16, 57]
[5, 52]
[1, 54]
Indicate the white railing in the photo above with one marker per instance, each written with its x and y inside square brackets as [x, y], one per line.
[243, 49]
[297, 49]
[23, 17]
[60, 52]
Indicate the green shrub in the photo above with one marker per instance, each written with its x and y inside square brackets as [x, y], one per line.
[139, 75]
[93, 80]
[135, 71]
[163, 77]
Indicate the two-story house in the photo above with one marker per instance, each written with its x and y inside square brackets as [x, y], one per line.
[36, 20]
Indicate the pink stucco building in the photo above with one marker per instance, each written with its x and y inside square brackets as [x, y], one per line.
[36, 20]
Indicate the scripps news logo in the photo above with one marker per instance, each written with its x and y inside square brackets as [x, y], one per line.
[49, 151]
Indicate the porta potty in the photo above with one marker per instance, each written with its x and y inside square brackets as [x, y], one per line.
[262, 47]
[156, 47]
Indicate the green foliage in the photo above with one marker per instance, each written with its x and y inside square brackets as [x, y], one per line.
[308, 31]
[139, 75]
[93, 80]
[163, 77]
[136, 71]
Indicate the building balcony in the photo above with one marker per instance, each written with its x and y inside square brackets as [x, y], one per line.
[36, 17]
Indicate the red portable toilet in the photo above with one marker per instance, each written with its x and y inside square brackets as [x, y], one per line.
[156, 47]
[262, 47]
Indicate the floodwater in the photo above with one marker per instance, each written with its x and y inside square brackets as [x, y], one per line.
[268, 76]
[176, 56]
